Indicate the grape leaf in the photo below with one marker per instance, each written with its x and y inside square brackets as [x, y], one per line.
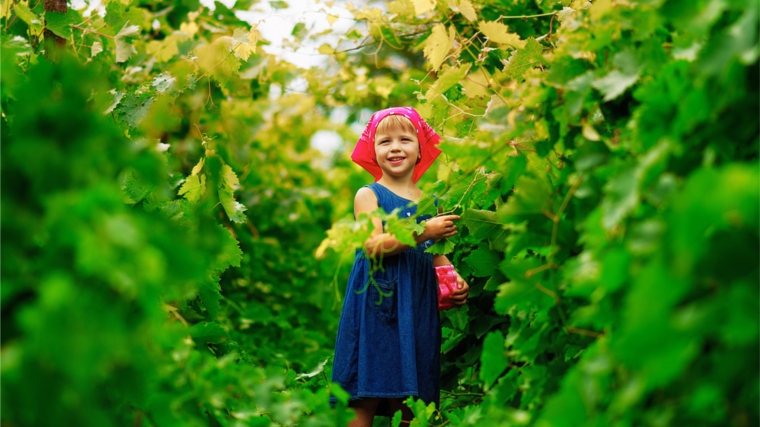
[244, 42]
[423, 6]
[208, 333]
[316, 371]
[492, 360]
[60, 23]
[467, 10]
[234, 209]
[124, 50]
[523, 59]
[230, 253]
[32, 20]
[193, 187]
[441, 247]
[482, 261]
[210, 294]
[438, 45]
[164, 82]
[229, 180]
[483, 224]
[448, 77]
[614, 83]
[499, 33]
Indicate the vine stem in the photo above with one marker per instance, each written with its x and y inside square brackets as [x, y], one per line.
[540, 15]
[92, 31]
[556, 218]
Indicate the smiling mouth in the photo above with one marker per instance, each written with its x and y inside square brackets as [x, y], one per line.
[396, 159]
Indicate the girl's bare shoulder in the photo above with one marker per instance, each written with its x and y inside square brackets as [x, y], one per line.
[365, 194]
[365, 200]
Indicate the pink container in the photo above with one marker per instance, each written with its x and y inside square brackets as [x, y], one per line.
[447, 284]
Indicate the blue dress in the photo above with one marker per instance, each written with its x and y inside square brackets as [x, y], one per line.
[391, 349]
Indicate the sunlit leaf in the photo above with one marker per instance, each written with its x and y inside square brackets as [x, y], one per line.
[193, 188]
[423, 6]
[438, 45]
[499, 33]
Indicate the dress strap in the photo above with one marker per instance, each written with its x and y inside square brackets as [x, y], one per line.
[381, 193]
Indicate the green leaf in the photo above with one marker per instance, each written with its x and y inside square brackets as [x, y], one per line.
[524, 59]
[60, 23]
[235, 210]
[208, 333]
[229, 254]
[134, 108]
[493, 360]
[524, 290]
[483, 224]
[134, 190]
[164, 82]
[299, 30]
[614, 84]
[531, 197]
[482, 261]
[441, 247]
[396, 420]
[448, 77]
[316, 371]
[210, 294]
[622, 197]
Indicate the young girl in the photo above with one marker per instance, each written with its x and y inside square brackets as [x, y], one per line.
[388, 351]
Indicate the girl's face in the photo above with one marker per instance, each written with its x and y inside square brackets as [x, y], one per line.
[397, 149]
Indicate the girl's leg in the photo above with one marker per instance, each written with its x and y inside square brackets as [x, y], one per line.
[365, 412]
[406, 413]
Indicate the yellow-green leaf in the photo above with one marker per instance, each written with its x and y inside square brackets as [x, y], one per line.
[423, 6]
[438, 45]
[326, 49]
[215, 58]
[32, 20]
[465, 8]
[446, 79]
[499, 33]
[590, 133]
[193, 188]
[475, 84]
[164, 50]
[331, 18]
[97, 47]
[244, 42]
[234, 209]
[124, 50]
[229, 178]
[197, 168]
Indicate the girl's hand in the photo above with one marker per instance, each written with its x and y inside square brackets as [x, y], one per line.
[440, 227]
[459, 297]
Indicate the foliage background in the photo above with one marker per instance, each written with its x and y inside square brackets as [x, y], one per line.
[163, 210]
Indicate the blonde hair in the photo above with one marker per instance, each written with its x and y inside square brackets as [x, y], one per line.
[395, 121]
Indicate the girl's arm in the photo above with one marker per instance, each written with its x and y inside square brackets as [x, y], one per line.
[385, 244]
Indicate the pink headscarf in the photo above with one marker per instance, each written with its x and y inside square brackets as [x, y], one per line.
[364, 152]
